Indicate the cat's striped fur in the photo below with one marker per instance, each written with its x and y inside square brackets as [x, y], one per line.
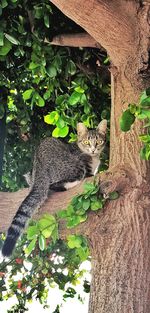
[57, 167]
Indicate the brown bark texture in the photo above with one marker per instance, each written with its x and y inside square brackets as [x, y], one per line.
[74, 40]
[119, 236]
[56, 202]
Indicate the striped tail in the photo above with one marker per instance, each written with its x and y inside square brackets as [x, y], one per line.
[24, 213]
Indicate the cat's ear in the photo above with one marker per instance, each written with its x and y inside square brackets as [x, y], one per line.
[102, 127]
[81, 129]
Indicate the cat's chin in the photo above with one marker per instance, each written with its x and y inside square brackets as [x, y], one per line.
[95, 154]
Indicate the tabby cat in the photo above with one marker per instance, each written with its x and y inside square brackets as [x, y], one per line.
[57, 167]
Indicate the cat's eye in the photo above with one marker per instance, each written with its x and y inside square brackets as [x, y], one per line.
[100, 142]
[86, 142]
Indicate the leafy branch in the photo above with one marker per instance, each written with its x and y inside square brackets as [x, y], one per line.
[140, 111]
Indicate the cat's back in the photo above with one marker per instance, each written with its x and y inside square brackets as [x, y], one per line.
[51, 147]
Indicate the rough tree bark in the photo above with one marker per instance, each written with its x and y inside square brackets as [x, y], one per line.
[119, 236]
[74, 40]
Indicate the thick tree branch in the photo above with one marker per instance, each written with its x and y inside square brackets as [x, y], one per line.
[75, 40]
[116, 179]
[12, 200]
[112, 24]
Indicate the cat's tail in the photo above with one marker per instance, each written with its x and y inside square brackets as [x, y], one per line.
[24, 213]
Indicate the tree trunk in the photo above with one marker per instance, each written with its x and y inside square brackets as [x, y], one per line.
[120, 235]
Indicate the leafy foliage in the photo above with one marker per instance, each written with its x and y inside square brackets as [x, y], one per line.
[48, 89]
[40, 247]
[76, 213]
[141, 112]
[80, 205]
[30, 276]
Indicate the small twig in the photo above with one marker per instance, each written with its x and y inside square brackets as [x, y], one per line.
[31, 20]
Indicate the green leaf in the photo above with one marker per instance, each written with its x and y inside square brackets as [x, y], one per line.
[33, 65]
[79, 89]
[12, 39]
[74, 241]
[42, 242]
[106, 61]
[144, 114]
[1, 38]
[126, 120]
[5, 48]
[47, 225]
[60, 123]
[55, 234]
[70, 210]
[30, 247]
[83, 253]
[145, 102]
[89, 187]
[63, 132]
[4, 3]
[143, 96]
[84, 101]
[38, 100]
[51, 118]
[60, 132]
[75, 220]
[142, 153]
[74, 98]
[96, 205]
[49, 217]
[27, 94]
[47, 94]
[148, 91]
[57, 63]
[71, 67]
[145, 138]
[62, 214]
[80, 211]
[114, 195]
[51, 71]
[86, 204]
[46, 20]
[61, 99]
[133, 108]
[145, 152]
[75, 200]
[73, 137]
[38, 11]
[41, 102]
[32, 232]
[55, 132]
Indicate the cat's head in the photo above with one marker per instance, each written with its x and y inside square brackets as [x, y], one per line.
[92, 141]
